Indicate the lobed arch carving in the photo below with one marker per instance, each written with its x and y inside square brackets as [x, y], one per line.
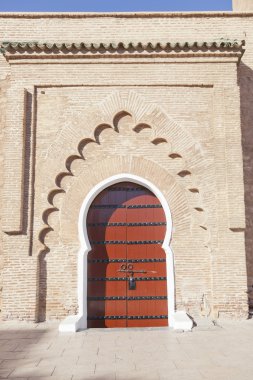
[136, 166]
[183, 172]
[162, 137]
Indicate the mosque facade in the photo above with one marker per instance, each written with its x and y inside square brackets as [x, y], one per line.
[126, 161]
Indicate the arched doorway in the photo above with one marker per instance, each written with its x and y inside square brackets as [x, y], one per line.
[127, 279]
[73, 323]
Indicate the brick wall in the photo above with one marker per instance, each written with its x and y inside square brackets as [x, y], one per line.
[194, 108]
[242, 5]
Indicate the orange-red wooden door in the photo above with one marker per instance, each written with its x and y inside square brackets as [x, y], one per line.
[126, 228]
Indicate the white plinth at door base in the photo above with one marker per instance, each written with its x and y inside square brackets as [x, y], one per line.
[182, 321]
[73, 323]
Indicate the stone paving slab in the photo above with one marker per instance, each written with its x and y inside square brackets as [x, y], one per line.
[39, 351]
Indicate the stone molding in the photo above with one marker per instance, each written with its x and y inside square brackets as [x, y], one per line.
[34, 49]
[150, 15]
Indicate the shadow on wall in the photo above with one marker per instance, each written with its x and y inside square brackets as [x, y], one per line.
[42, 281]
[245, 75]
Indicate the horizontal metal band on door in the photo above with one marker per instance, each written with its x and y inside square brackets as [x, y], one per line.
[126, 189]
[109, 261]
[137, 298]
[124, 206]
[127, 278]
[128, 242]
[146, 224]
[101, 318]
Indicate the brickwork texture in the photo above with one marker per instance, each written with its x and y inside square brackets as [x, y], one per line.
[180, 119]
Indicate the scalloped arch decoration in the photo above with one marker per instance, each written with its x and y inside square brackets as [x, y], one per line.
[63, 180]
[149, 115]
[143, 168]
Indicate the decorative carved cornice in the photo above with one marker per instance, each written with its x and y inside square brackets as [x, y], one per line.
[34, 49]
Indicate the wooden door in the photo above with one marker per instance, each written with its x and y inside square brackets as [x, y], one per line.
[127, 284]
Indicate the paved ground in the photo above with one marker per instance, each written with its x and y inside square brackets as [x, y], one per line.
[30, 351]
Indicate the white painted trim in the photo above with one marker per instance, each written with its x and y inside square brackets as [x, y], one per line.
[77, 322]
[182, 321]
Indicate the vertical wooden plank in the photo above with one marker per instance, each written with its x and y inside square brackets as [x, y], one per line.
[147, 213]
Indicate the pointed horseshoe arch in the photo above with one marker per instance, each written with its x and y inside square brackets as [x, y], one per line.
[77, 322]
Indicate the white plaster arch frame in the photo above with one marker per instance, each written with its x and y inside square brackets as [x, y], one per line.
[79, 321]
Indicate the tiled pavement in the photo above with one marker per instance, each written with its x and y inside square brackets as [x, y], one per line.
[38, 351]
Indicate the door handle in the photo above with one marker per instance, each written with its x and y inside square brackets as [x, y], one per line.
[126, 268]
[131, 283]
[129, 269]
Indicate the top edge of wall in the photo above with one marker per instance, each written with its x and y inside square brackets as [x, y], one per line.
[124, 14]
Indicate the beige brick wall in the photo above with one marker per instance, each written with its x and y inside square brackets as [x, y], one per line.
[3, 100]
[242, 5]
[199, 108]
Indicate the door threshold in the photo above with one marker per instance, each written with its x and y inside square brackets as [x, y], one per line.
[126, 329]
[74, 323]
